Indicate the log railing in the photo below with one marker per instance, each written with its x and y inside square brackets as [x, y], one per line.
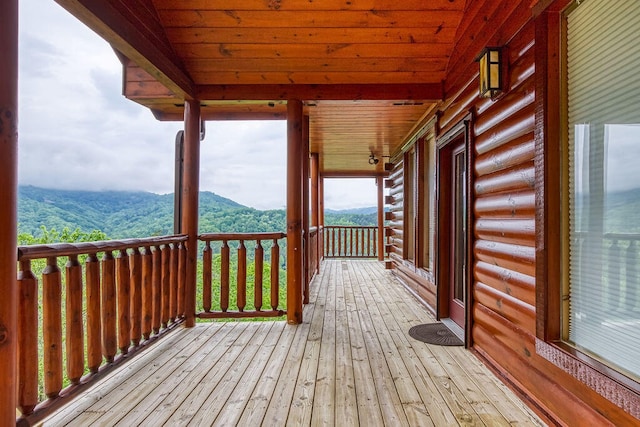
[350, 241]
[231, 296]
[92, 317]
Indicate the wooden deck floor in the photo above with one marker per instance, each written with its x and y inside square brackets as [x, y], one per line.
[350, 363]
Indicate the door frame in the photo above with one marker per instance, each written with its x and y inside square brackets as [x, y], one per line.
[444, 149]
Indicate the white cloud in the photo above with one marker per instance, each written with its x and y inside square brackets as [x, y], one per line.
[77, 131]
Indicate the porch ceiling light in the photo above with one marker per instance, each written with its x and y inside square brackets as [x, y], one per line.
[490, 60]
[373, 160]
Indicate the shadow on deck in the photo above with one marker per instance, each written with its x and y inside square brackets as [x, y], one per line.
[351, 362]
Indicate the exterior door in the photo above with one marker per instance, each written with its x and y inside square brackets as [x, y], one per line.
[453, 230]
[458, 234]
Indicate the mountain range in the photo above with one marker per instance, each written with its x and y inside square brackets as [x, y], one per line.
[128, 214]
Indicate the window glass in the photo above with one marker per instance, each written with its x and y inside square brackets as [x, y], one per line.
[603, 133]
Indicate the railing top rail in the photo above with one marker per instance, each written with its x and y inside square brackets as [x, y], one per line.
[313, 229]
[351, 226]
[208, 237]
[67, 249]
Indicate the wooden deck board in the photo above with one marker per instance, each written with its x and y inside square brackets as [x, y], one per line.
[350, 363]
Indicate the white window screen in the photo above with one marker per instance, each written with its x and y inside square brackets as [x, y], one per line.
[603, 59]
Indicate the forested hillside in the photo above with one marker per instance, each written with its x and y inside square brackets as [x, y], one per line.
[121, 214]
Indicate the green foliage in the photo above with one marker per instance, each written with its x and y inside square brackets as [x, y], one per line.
[46, 236]
[338, 218]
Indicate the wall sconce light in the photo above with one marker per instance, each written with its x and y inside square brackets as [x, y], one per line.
[490, 60]
[373, 160]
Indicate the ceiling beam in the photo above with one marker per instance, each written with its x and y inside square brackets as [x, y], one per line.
[226, 115]
[133, 29]
[309, 92]
[352, 174]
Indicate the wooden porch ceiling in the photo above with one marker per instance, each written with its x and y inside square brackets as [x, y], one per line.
[244, 59]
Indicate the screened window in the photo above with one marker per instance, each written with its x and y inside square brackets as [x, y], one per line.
[602, 316]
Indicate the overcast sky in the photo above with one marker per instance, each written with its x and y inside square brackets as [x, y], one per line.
[77, 131]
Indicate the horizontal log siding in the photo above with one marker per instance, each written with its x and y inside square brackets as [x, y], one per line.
[504, 317]
[504, 288]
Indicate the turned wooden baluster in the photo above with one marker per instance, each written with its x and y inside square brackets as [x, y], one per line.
[275, 275]
[166, 284]
[242, 277]
[75, 334]
[108, 294]
[173, 289]
[27, 339]
[206, 277]
[224, 276]
[257, 282]
[135, 263]
[182, 266]
[156, 289]
[147, 291]
[124, 301]
[94, 322]
[52, 322]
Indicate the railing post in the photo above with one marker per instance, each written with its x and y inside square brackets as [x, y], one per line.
[124, 301]
[94, 320]
[147, 292]
[306, 244]
[380, 183]
[275, 275]
[8, 211]
[257, 278]
[156, 289]
[135, 265]
[294, 212]
[190, 203]
[28, 339]
[108, 296]
[315, 206]
[173, 282]
[75, 334]
[52, 318]
[224, 276]
[241, 282]
[166, 284]
[206, 277]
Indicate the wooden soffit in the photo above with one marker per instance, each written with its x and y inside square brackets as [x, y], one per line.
[366, 69]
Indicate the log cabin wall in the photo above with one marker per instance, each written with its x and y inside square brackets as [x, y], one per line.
[504, 262]
[394, 215]
[504, 287]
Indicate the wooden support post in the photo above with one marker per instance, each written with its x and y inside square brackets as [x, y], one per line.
[315, 215]
[321, 213]
[294, 212]
[306, 247]
[8, 211]
[380, 183]
[190, 190]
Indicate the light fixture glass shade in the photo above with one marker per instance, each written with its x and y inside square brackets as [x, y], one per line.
[490, 60]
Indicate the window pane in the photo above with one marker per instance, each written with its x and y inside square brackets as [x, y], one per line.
[604, 182]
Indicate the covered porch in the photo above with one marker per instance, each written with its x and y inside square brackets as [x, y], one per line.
[351, 362]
